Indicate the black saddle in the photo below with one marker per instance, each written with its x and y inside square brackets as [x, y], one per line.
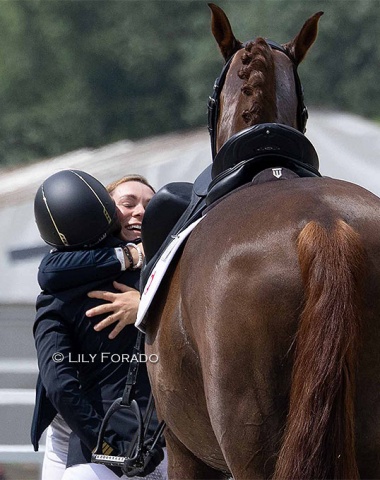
[266, 142]
[247, 153]
[163, 211]
[172, 208]
[281, 151]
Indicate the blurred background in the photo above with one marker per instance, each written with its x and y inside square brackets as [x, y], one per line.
[115, 87]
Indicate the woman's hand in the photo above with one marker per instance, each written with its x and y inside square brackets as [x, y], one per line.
[121, 306]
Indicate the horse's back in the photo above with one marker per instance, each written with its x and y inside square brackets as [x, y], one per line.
[242, 283]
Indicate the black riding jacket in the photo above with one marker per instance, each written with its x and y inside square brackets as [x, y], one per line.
[82, 371]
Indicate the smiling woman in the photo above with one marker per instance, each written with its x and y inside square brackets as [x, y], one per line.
[90, 373]
[131, 195]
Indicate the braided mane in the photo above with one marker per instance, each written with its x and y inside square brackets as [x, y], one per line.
[259, 72]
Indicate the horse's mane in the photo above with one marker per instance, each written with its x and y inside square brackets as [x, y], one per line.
[259, 72]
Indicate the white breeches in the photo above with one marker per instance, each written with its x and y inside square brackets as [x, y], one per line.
[57, 442]
[54, 464]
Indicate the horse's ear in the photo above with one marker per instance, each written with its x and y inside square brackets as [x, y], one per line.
[222, 31]
[299, 46]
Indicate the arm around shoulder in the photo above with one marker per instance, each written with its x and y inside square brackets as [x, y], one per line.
[60, 270]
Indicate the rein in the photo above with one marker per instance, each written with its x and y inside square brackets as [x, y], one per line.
[214, 104]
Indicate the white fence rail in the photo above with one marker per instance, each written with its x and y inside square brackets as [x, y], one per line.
[18, 398]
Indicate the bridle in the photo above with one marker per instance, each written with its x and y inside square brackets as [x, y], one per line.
[213, 102]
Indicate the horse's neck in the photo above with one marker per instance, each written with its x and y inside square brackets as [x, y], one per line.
[260, 88]
[249, 94]
[286, 97]
[259, 76]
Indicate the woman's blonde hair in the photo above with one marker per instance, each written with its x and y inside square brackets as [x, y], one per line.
[129, 178]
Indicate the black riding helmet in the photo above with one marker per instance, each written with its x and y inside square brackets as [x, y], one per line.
[72, 210]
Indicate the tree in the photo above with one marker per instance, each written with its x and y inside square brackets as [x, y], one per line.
[79, 74]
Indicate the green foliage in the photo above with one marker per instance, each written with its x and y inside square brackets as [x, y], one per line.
[86, 73]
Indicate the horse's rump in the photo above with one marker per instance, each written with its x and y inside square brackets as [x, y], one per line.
[239, 297]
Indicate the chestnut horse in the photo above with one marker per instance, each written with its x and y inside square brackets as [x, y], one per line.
[267, 327]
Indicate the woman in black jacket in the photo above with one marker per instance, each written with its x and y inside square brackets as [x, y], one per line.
[82, 371]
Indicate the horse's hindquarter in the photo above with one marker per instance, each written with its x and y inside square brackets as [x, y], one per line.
[243, 310]
[239, 298]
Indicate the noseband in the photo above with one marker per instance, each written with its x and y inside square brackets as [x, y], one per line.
[213, 103]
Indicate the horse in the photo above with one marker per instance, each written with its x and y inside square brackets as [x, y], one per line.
[267, 326]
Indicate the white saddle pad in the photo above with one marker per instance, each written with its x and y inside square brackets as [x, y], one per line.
[158, 273]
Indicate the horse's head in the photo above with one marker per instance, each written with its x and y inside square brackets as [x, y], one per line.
[259, 83]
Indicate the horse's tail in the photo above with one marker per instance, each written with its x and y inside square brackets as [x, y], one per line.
[319, 438]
